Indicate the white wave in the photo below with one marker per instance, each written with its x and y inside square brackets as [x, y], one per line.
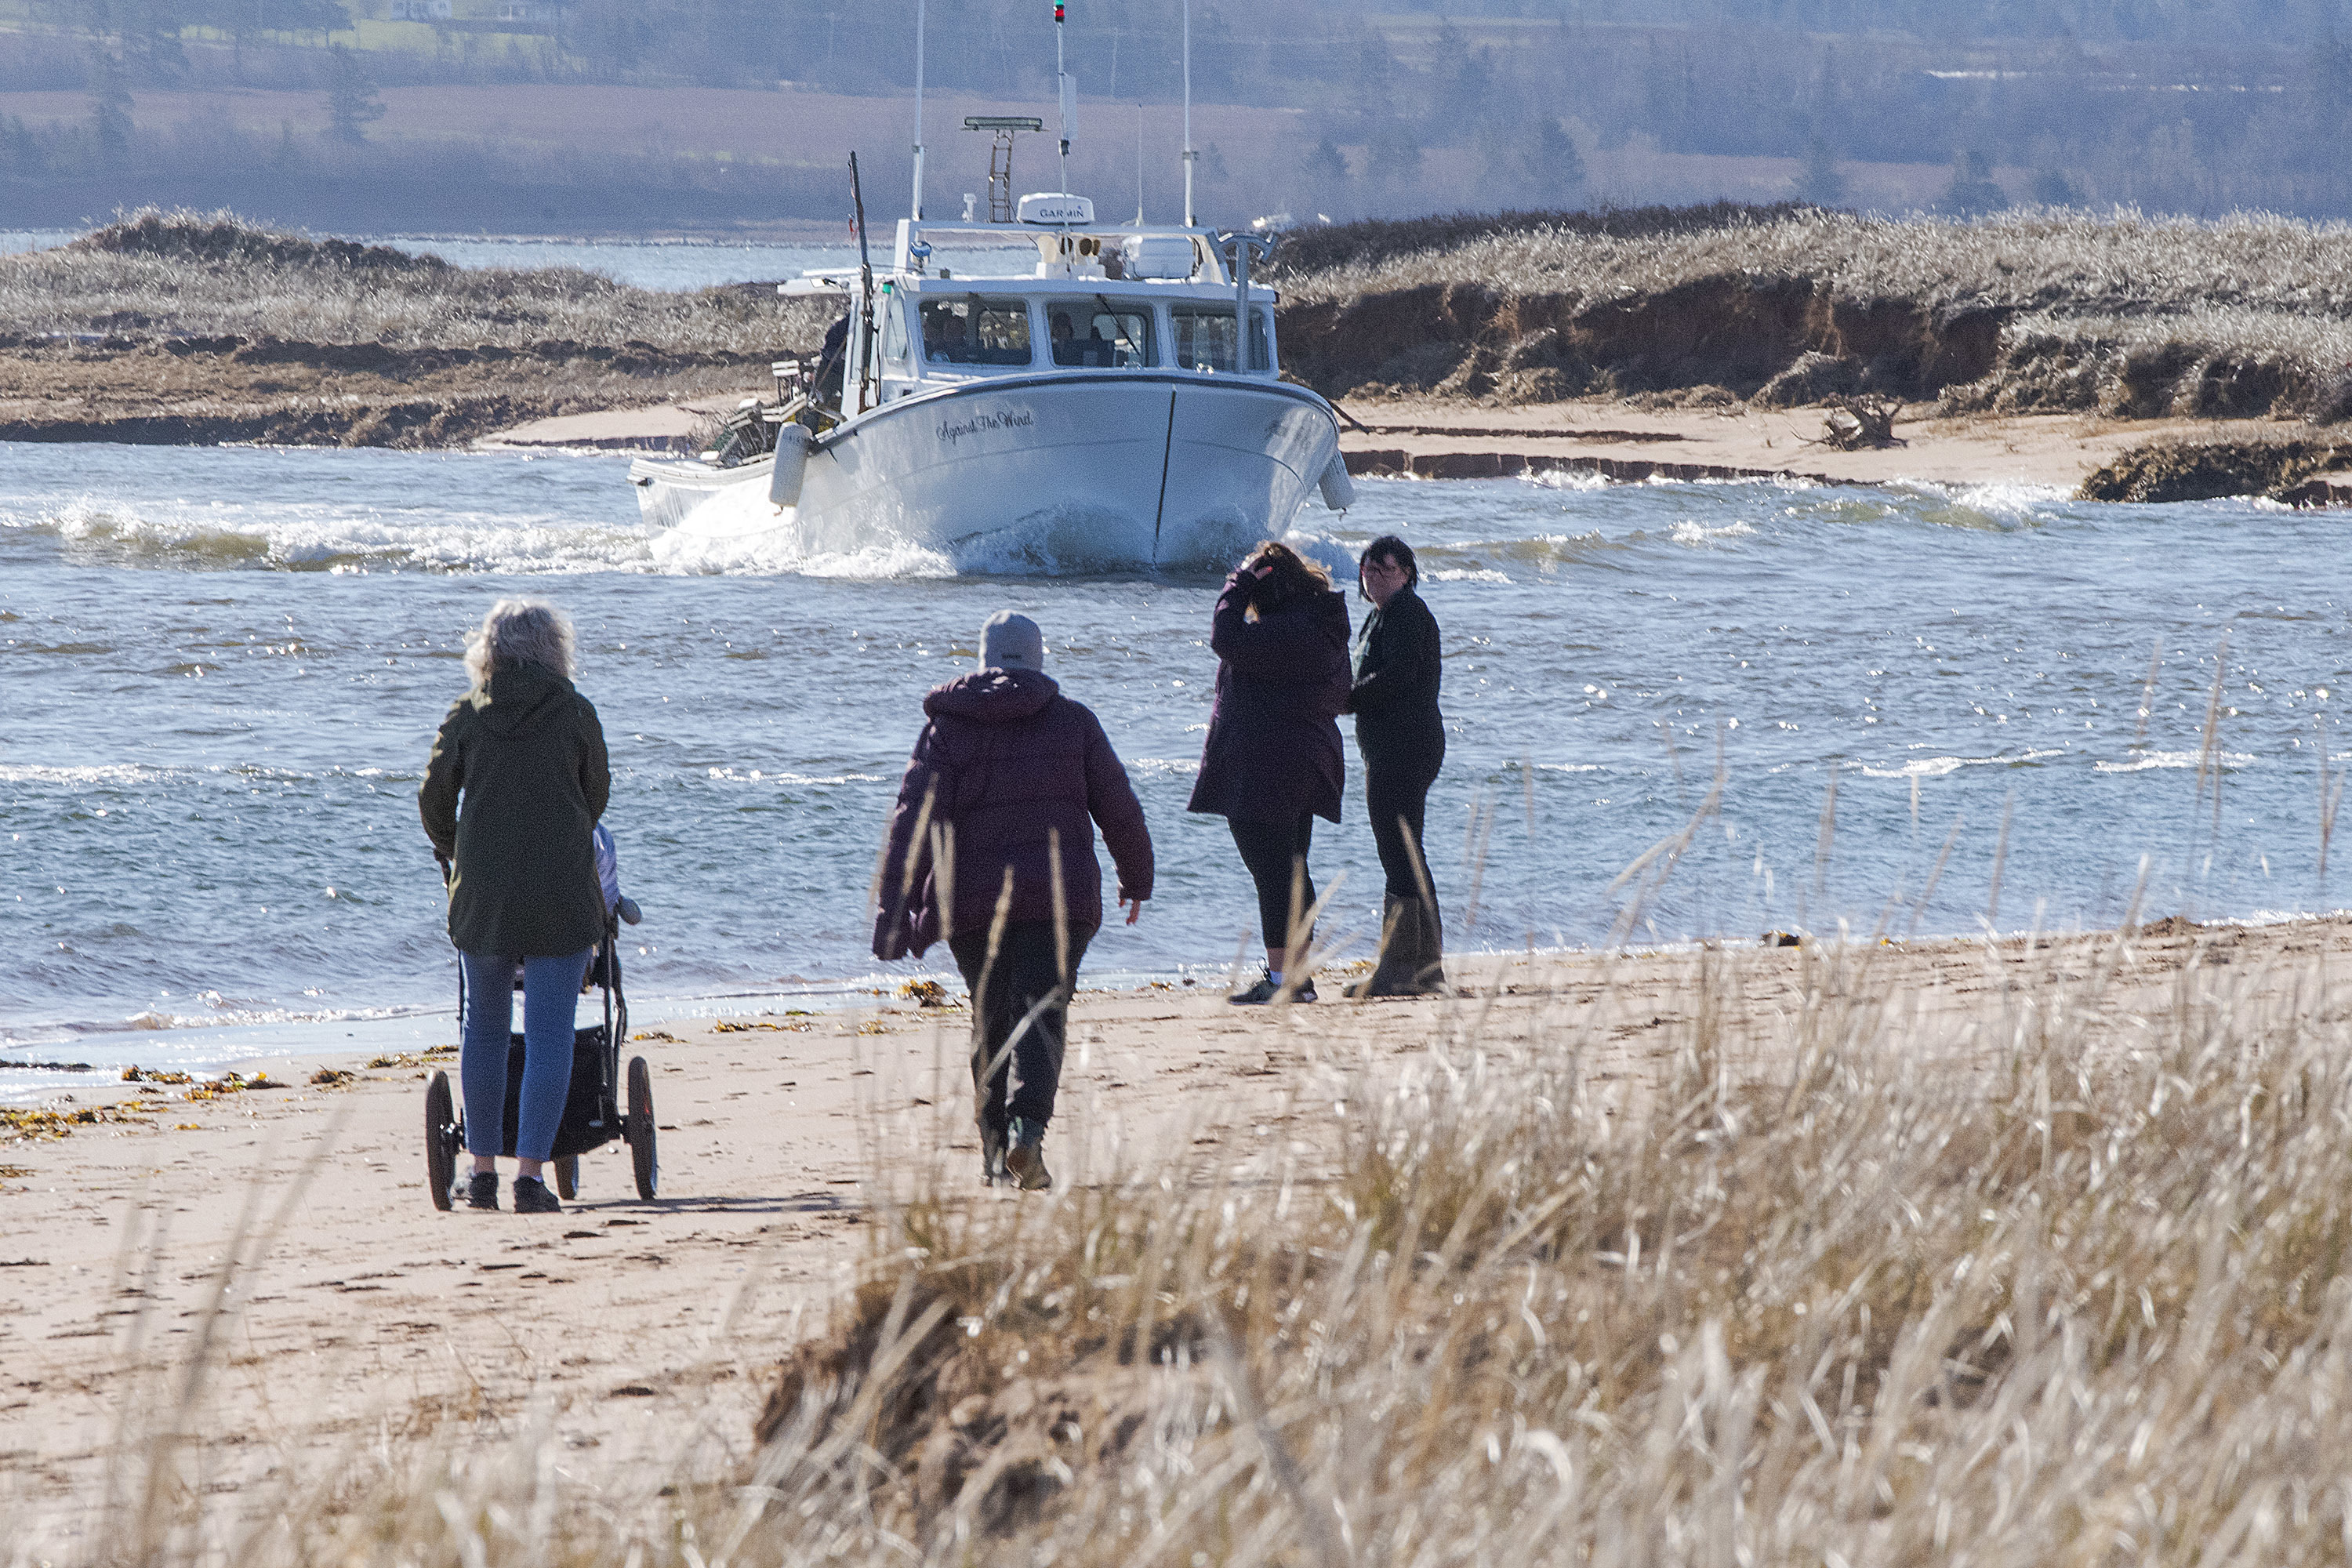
[128, 773]
[230, 1016]
[2173, 760]
[107, 773]
[1569, 480]
[762, 775]
[304, 538]
[1690, 532]
[2009, 497]
[1569, 768]
[1164, 764]
[1324, 552]
[1936, 767]
[1467, 574]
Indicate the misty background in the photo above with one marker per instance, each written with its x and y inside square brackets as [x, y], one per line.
[586, 116]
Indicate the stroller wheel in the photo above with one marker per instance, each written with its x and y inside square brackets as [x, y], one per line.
[640, 1125]
[567, 1177]
[440, 1141]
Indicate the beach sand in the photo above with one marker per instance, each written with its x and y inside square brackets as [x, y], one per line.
[2044, 450]
[1437, 438]
[358, 1318]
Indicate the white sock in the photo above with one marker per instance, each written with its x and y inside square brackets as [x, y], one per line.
[1274, 976]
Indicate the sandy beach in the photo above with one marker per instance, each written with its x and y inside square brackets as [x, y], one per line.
[1438, 439]
[1441, 438]
[356, 1316]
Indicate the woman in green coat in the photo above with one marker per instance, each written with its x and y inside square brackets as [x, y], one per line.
[511, 798]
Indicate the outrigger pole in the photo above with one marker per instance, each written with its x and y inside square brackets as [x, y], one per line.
[864, 285]
[1190, 221]
[1069, 98]
[919, 111]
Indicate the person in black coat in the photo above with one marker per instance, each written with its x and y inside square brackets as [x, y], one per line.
[1271, 762]
[1401, 736]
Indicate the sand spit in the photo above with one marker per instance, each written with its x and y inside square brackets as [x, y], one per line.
[639, 1334]
[2035, 351]
[205, 391]
[1627, 442]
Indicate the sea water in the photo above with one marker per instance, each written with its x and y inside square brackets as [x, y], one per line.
[221, 669]
[1907, 709]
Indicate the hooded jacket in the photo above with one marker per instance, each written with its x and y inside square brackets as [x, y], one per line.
[525, 754]
[1273, 751]
[1006, 764]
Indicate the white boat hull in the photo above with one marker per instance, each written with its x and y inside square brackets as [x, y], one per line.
[1065, 471]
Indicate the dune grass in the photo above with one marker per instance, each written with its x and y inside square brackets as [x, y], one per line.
[2084, 264]
[2051, 1271]
[182, 274]
[2127, 315]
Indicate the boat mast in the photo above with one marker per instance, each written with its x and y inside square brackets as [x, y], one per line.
[1069, 98]
[1190, 221]
[919, 111]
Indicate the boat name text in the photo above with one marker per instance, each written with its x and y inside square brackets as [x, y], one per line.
[1009, 419]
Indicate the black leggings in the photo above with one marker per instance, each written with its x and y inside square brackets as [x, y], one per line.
[1270, 850]
[1397, 798]
[1028, 970]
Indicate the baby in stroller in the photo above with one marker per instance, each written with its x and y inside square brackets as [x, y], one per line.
[608, 876]
[608, 873]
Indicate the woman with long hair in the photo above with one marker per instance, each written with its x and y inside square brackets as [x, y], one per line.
[511, 795]
[1401, 735]
[1273, 763]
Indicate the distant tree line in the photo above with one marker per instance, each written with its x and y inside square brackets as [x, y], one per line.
[2173, 105]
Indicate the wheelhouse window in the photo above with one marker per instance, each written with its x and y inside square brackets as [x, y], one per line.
[1204, 337]
[1093, 333]
[975, 329]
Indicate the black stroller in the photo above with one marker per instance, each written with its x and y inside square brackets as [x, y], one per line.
[591, 1114]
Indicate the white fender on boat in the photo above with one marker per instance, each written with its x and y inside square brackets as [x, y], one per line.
[1339, 490]
[792, 462]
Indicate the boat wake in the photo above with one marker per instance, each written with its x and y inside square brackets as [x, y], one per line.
[731, 534]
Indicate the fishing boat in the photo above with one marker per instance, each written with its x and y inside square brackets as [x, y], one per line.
[1069, 394]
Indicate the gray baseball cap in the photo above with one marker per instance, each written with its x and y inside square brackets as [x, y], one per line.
[1010, 641]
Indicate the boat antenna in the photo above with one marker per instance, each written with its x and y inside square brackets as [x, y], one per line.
[1069, 95]
[864, 285]
[1190, 221]
[1138, 164]
[919, 111]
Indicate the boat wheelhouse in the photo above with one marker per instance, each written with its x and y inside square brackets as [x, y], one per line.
[1019, 396]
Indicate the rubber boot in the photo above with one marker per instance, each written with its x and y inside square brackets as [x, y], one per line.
[1427, 946]
[1400, 957]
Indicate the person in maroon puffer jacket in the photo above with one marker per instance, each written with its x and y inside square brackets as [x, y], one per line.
[1271, 764]
[992, 850]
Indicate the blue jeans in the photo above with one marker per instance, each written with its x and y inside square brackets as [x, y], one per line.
[550, 994]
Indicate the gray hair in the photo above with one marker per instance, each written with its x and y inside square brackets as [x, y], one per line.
[520, 631]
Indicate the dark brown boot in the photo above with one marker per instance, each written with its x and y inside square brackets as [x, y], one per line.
[1425, 944]
[1400, 958]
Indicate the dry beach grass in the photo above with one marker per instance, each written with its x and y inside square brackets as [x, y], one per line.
[2125, 315]
[194, 328]
[190, 274]
[2024, 1252]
